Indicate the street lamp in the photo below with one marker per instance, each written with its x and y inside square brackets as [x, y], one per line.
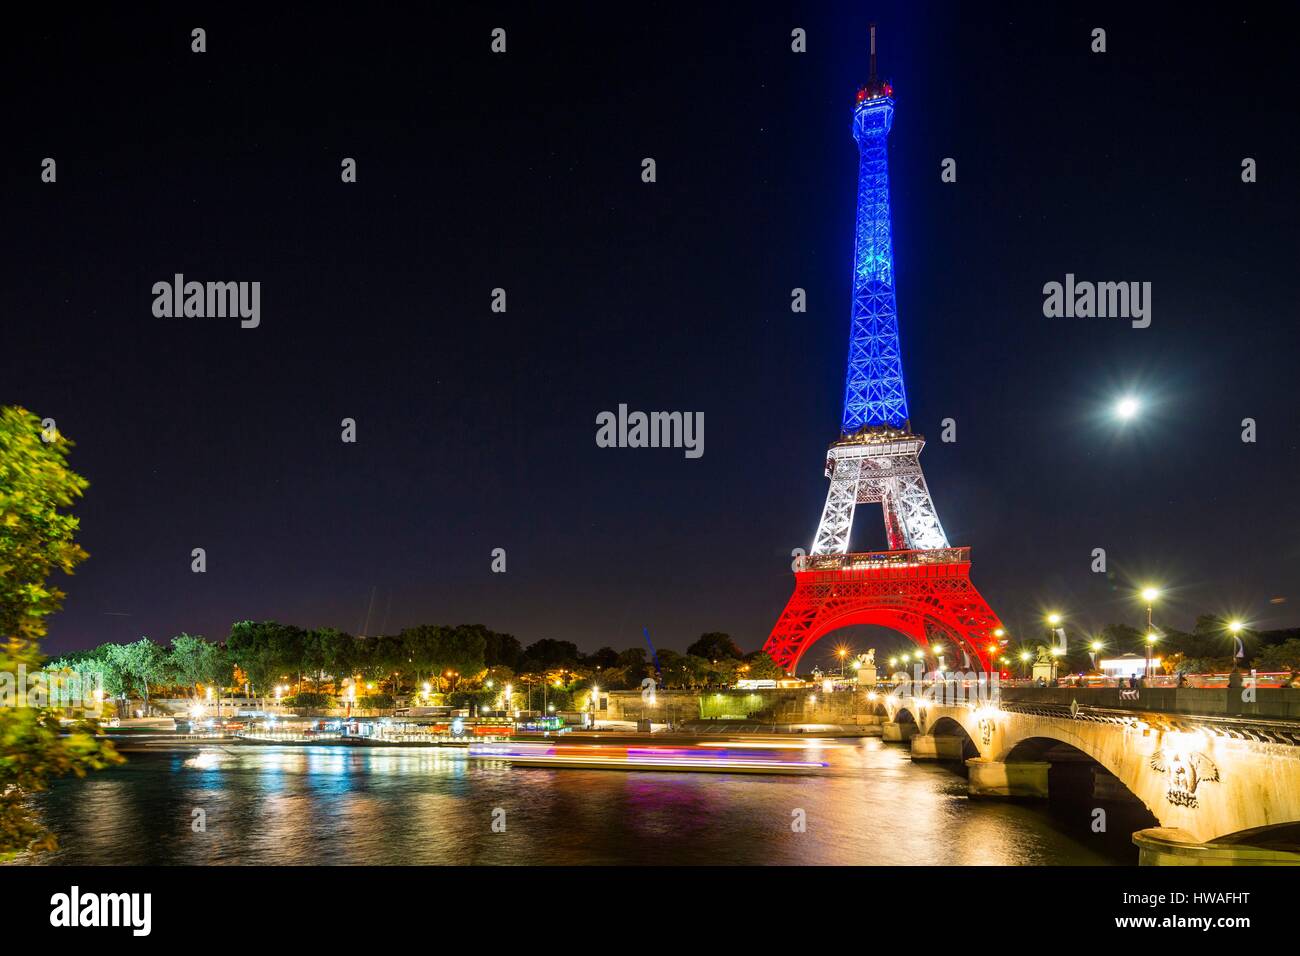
[1234, 628]
[1095, 649]
[1024, 662]
[1149, 594]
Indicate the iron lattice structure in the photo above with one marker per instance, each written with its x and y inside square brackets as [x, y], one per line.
[926, 589]
[882, 466]
[874, 393]
[925, 595]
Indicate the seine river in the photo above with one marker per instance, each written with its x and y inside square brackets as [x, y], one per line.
[327, 805]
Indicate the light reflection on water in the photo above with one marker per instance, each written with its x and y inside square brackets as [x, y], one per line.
[330, 805]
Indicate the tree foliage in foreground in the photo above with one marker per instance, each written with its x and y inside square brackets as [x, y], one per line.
[36, 538]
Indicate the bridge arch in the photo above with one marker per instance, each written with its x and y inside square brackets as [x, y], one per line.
[903, 716]
[947, 726]
[1208, 786]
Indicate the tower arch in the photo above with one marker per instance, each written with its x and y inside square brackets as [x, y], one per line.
[920, 594]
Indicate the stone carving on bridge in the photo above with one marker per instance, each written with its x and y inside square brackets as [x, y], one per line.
[1186, 772]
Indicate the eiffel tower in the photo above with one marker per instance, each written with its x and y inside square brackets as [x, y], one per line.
[921, 586]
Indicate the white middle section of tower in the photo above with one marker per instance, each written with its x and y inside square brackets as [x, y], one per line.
[884, 468]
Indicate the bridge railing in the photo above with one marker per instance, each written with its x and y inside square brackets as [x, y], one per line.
[866, 560]
[1281, 703]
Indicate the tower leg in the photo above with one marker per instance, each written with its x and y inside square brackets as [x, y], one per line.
[837, 517]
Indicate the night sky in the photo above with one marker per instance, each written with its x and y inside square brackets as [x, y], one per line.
[522, 171]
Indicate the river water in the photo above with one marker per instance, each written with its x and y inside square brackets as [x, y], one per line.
[333, 805]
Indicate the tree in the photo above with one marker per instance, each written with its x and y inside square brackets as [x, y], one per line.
[36, 538]
[214, 667]
[762, 667]
[715, 646]
[547, 654]
[633, 665]
[140, 663]
[603, 659]
[725, 672]
[187, 658]
[386, 657]
[1122, 639]
[672, 668]
[500, 650]
[312, 660]
[35, 483]
[286, 646]
[258, 648]
[499, 675]
[465, 649]
[423, 648]
[336, 652]
[104, 663]
[1279, 657]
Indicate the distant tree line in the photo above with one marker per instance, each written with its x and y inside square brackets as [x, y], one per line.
[472, 663]
[468, 661]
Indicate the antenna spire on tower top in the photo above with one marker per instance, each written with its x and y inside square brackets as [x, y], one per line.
[876, 88]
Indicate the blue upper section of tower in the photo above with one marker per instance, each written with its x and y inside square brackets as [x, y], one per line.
[874, 393]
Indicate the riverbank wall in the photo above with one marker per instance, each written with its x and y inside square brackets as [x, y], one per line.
[783, 706]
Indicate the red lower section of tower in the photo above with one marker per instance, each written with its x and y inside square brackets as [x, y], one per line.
[925, 595]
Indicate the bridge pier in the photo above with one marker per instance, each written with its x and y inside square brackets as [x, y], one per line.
[1168, 846]
[931, 747]
[892, 730]
[1025, 779]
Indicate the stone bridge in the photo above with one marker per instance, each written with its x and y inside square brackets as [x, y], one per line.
[1217, 782]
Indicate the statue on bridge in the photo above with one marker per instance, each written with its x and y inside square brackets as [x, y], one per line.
[867, 668]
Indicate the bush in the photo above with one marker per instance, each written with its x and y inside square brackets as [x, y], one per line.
[309, 701]
[376, 702]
